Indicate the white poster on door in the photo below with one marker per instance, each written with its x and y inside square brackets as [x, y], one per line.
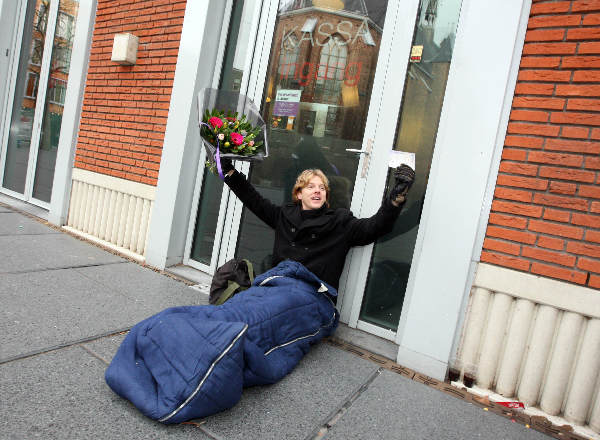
[398, 158]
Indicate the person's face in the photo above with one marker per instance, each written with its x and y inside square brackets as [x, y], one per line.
[313, 195]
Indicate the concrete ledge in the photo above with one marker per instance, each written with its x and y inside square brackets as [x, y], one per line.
[24, 206]
[422, 363]
[367, 341]
[115, 184]
[540, 290]
[125, 252]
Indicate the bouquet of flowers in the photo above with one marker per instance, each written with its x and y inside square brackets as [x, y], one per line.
[230, 127]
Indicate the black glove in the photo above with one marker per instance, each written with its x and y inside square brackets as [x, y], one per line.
[404, 177]
[226, 165]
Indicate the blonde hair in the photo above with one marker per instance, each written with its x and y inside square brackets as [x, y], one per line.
[303, 179]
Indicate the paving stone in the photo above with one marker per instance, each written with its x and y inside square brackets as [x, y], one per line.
[49, 251]
[395, 407]
[294, 407]
[4, 209]
[106, 347]
[148, 290]
[63, 395]
[44, 309]
[12, 223]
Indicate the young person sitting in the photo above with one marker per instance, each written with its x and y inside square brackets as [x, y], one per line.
[193, 361]
[308, 231]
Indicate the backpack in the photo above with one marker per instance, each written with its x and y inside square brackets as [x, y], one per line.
[233, 277]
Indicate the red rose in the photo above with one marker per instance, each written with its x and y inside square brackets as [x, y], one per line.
[237, 138]
[215, 122]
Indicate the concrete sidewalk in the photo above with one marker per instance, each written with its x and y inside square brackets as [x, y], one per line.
[66, 305]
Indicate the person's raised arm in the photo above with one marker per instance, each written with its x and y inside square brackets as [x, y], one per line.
[366, 230]
[261, 207]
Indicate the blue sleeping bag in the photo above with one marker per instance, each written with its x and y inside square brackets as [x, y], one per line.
[193, 361]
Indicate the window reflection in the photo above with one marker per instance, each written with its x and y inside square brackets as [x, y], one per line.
[332, 66]
[416, 133]
[317, 93]
[288, 60]
[62, 45]
[26, 94]
[205, 231]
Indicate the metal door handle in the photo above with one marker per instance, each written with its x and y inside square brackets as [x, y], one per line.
[354, 150]
[367, 158]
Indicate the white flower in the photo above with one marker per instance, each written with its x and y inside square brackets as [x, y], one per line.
[243, 132]
[221, 136]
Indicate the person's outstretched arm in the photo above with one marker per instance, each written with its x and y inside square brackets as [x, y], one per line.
[366, 230]
[261, 207]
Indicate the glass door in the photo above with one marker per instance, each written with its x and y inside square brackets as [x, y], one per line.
[30, 146]
[319, 95]
[206, 224]
[327, 77]
[378, 294]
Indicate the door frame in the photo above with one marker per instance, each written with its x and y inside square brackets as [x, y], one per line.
[67, 141]
[210, 268]
[485, 53]
[262, 50]
[38, 118]
[61, 187]
[354, 278]
[392, 62]
[10, 17]
[18, 29]
[221, 231]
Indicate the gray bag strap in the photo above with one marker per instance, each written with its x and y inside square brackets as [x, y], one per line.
[250, 270]
[227, 293]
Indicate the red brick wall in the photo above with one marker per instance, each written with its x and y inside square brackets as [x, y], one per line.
[125, 108]
[545, 216]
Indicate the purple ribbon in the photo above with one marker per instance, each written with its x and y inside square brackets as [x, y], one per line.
[217, 154]
[218, 161]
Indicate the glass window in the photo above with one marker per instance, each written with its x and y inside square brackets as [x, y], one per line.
[37, 49]
[41, 16]
[332, 66]
[29, 78]
[65, 25]
[31, 86]
[288, 61]
[336, 52]
[62, 45]
[61, 59]
[25, 99]
[57, 90]
[212, 186]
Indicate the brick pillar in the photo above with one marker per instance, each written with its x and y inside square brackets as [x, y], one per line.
[545, 215]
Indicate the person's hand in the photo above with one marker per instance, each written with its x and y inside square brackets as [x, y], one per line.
[404, 177]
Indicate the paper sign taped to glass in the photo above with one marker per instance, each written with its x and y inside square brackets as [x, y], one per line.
[231, 127]
[287, 102]
[398, 158]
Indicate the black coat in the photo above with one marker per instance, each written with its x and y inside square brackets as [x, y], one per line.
[319, 239]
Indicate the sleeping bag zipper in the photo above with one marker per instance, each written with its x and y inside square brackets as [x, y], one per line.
[212, 366]
[310, 335]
